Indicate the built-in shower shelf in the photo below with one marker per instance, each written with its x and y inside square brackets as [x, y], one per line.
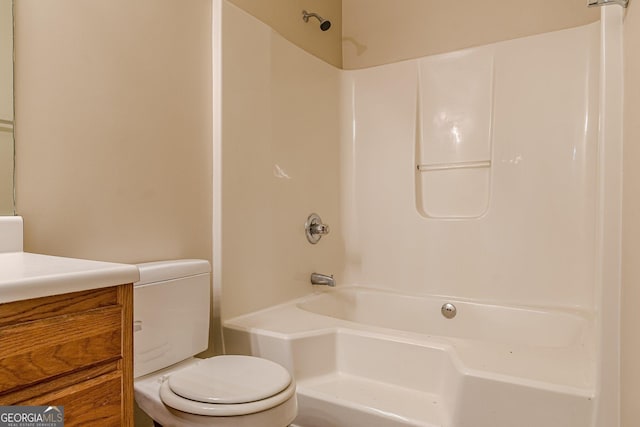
[453, 189]
[454, 134]
[456, 165]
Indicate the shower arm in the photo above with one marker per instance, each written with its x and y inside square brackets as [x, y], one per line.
[595, 3]
[306, 15]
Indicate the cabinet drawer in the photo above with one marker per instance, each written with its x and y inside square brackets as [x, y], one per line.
[96, 402]
[56, 305]
[35, 351]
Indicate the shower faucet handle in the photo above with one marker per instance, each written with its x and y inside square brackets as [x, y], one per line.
[315, 229]
[321, 229]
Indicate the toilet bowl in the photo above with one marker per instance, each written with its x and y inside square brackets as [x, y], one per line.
[171, 317]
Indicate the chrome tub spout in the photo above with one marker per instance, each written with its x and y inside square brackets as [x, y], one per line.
[322, 279]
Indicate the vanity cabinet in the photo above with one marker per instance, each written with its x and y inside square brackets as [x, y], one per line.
[73, 350]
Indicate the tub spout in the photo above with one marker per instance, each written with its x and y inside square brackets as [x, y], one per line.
[322, 279]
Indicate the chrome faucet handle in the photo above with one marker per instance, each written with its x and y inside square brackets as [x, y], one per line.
[321, 229]
[315, 229]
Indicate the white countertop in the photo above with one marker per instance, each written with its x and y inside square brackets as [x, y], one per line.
[25, 275]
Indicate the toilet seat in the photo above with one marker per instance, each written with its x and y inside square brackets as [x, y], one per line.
[226, 386]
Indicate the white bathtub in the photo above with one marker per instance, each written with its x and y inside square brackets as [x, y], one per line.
[364, 357]
[473, 321]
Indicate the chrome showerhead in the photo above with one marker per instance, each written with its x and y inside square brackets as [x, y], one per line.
[325, 24]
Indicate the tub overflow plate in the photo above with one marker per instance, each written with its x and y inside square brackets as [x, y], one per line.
[449, 310]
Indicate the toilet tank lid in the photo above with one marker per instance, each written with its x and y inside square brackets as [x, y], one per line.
[158, 271]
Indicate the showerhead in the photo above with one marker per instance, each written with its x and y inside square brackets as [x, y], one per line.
[325, 24]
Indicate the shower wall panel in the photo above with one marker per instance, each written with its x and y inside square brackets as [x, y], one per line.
[280, 133]
[537, 110]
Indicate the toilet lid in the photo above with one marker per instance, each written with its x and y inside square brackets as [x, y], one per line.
[181, 404]
[230, 380]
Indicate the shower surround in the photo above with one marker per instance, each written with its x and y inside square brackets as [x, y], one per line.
[518, 227]
[474, 176]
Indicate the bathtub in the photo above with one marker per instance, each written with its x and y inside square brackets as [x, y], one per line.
[473, 321]
[365, 357]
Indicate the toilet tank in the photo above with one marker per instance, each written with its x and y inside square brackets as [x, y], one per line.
[170, 313]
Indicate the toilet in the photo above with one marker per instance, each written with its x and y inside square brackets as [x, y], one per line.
[171, 325]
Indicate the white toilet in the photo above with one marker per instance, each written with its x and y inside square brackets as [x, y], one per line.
[171, 325]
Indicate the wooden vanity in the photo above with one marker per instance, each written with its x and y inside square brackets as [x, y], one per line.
[66, 337]
[73, 350]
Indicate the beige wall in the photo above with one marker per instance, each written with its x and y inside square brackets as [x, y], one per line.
[366, 33]
[113, 136]
[631, 223]
[6, 60]
[285, 17]
[384, 31]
